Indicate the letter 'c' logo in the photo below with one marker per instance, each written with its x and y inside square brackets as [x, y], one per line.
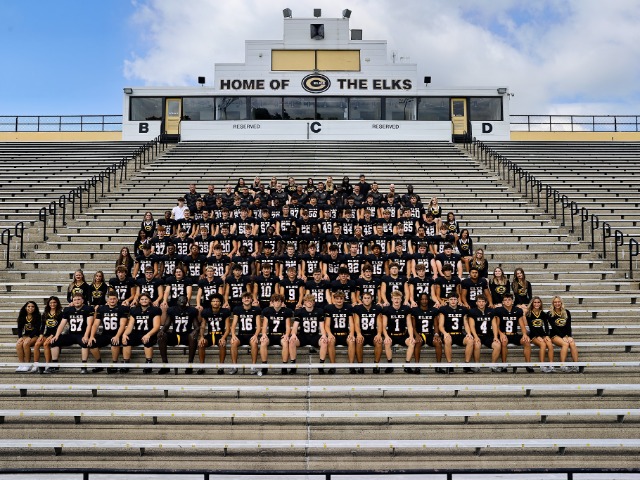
[316, 83]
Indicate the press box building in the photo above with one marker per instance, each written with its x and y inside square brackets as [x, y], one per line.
[320, 82]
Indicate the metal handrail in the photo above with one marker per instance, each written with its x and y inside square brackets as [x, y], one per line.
[61, 123]
[575, 123]
[503, 166]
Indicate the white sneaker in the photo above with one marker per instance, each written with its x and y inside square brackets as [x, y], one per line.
[33, 369]
[565, 369]
[259, 373]
[233, 371]
[550, 369]
[253, 371]
[20, 369]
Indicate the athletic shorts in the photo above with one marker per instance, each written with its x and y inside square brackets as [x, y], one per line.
[457, 339]
[174, 339]
[341, 339]
[368, 340]
[69, 339]
[514, 339]
[135, 339]
[427, 339]
[486, 340]
[275, 338]
[398, 338]
[309, 340]
[103, 340]
[212, 339]
[245, 338]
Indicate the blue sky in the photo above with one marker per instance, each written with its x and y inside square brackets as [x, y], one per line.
[75, 56]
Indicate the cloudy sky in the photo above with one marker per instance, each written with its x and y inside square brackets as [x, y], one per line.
[556, 56]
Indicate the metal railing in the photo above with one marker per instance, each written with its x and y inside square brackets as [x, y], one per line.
[84, 195]
[557, 203]
[61, 123]
[575, 123]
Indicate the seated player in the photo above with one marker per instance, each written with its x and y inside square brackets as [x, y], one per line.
[178, 328]
[113, 319]
[276, 330]
[338, 325]
[454, 330]
[216, 321]
[538, 322]
[308, 331]
[246, 321]
[396, 329]
[366, 326]
[79, 317]
[142, 329]
[124, 286]
[506, 320]
[426, 328]
[481, 328]
[560, 321]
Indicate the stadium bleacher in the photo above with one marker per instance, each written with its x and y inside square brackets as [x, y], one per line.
[582, 411]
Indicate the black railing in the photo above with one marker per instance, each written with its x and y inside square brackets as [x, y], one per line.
[589, 223]
[82, 196]
[5, 240]
[575, 123]
[61, 123]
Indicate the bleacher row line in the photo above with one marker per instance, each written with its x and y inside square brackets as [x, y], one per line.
[353, 446]
[526, 389]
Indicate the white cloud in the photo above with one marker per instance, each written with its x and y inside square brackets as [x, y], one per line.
[557, 57]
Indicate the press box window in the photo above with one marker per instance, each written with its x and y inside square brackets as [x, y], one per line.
[198, 108]
[266, 108]
[433, 109]
[485, 109]
[145, 108]
[400, 108]
[232, 108]
[323, 60]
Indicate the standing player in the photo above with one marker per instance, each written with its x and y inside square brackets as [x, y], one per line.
[142, 329]
[246, 321]
[480, 320]
[506, 320]
[338, 325]
[396, 329]
[276, 329]
[79, 317]
[217, 322]
[308, 330]
[178, 328]
[113, 319]
[453, 325]
[426, 328]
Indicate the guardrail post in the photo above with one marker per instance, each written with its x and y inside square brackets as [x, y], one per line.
[5, 239]
[62, 203]
[19, 233]
[52, 211]
[595, 225]
[619, 241]
[42, 216]
[606, 233]
[584, 217]
[634, 250]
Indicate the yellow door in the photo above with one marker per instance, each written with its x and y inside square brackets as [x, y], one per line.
[172, 116]
[459, 119]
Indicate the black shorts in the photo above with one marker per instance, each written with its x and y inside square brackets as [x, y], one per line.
[341, 339]
[212, 338]
[457, 339]
[486, 340]
[245, 338]
[398, 338]
[427, 339]
[135, 339]
[309, 339]
[368, 340]
[103, 340]
[174, 339]
[514, 339]
[68, 339]
[275, 338]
